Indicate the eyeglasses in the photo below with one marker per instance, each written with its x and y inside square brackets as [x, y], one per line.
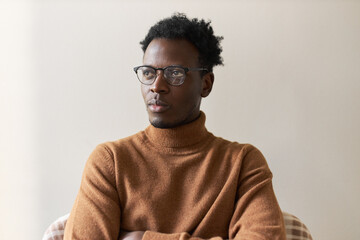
[174, 75]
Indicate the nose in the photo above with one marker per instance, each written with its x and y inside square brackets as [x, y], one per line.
[160, 85]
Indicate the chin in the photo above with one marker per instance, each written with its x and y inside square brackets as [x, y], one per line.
[165, 122]
[158, 123]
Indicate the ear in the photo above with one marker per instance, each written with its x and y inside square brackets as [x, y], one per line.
[207, 83]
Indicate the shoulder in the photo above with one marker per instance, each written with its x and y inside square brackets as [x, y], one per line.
[118, 154]
[245, 154]
[234, 146]
[123, 144]
[107, 152]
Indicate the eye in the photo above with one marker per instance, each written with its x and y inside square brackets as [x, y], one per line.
[148, 73]
[176, 72]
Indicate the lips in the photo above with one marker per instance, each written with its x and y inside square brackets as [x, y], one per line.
[157, 106]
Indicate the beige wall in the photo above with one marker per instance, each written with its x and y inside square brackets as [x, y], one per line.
[290, 86]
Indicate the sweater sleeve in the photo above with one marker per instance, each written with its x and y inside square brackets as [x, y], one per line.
[96, 211]
[257, 215]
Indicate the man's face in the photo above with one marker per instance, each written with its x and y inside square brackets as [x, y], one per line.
[170, 106]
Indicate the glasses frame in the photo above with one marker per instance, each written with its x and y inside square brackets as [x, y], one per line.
[186, 70]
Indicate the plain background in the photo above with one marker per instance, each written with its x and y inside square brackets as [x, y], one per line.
[290, 86]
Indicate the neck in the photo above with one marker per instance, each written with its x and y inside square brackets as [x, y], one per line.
[181, 136]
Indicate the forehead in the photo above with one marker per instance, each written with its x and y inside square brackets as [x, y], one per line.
[164, 52]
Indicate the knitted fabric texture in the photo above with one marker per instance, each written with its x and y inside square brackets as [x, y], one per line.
[179, 183]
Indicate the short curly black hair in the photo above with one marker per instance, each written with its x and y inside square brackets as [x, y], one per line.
[198, 32]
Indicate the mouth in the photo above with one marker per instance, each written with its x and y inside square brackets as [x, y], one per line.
[157, 106]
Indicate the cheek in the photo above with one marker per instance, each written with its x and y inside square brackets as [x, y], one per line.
[144, 90]
[192, 97]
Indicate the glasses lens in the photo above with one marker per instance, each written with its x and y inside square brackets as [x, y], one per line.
[146, 75]
[175, 75]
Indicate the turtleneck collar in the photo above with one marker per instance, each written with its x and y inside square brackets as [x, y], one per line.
[181, 136]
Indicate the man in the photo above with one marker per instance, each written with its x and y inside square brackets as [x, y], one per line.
[175, 180]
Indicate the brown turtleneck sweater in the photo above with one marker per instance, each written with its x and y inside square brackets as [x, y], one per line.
[179, 183]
